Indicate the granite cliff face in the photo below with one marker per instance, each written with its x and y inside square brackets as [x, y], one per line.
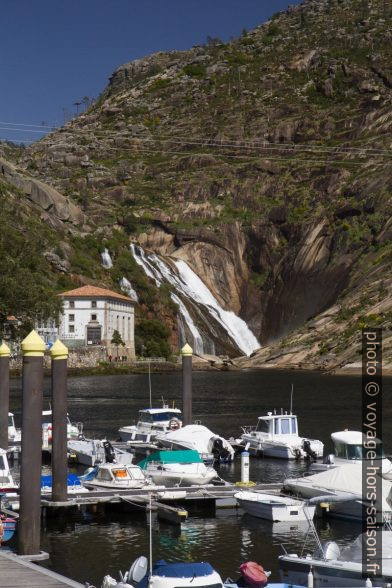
[263, 163]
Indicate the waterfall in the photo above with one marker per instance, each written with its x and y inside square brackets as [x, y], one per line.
[126, 287]
[235, 326]
[106, 259]
[189, 287]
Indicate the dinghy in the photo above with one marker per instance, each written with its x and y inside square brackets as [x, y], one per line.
[274, 508]
[90, 452]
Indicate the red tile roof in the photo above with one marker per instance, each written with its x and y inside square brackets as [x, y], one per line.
[94, 292]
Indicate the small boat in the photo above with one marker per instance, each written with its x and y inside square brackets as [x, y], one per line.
[343, 485]
[276, 435]
[152, 421]
[211, 447]
[90, 452]
[349, 449]
[173, 468]
[189, 575]
[274, 508]
[329, 565]
[115, 476]
[7, 528]
[7, 484]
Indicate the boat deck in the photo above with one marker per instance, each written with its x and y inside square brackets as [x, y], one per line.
[17, 572]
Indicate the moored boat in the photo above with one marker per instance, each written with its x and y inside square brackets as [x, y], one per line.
[151, 422]
[183, 467]
[276, 435]
[274, 507]
[211, 447]
[115, 476]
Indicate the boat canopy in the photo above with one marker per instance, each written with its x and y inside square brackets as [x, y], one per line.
[178, 570]
[180, 456]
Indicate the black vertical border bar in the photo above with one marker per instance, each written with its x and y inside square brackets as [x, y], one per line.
[372, 481]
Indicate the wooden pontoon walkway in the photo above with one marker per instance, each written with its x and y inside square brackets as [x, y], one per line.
[16, 572]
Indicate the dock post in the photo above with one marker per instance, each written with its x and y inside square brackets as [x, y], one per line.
[33, 348]
[186, 353]
[4, 394]
[59, 354]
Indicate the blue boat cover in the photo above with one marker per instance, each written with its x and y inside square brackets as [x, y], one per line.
[177, 570]
[177, 456]
[72, 480]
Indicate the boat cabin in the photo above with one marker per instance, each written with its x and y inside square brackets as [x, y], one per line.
[159, 416]
[6, 480]
[12, 430]
[277, 424]
[349, 445]
[119, 475]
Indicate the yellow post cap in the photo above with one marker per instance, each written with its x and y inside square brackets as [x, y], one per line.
[33, 345]
[59, 350]
[5, 351]
[187, 350]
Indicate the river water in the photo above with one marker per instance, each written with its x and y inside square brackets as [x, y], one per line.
[90, 546]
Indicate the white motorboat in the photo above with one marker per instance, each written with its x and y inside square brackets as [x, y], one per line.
[90, 452]
[115, 476]
[349, 449]
[276, 435]
[152, 421]
[330, 565]
[343, 481]
[274, 508]
[173, 468]
[210, 446]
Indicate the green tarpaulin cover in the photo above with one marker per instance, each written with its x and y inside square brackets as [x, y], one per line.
[180, 456]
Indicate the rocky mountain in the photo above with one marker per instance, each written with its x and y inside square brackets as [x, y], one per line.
[261, 166]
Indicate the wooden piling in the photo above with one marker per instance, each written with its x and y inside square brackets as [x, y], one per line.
[33, 348]
[59, 354]
[4, 394]
[186, 353]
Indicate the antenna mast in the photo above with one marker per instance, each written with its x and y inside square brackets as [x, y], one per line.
[291, 398]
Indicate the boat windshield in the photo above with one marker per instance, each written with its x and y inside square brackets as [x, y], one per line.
[357, 451]
[158, 417]
[10, 421]
[2, 464]
[263, 426]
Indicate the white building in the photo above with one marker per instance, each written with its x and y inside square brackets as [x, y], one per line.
[91, 315]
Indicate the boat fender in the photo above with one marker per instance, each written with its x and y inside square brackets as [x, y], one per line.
[1, 531]
[254, 574]
[174, 424]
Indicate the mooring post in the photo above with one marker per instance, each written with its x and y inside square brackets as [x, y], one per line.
[4, 394]
[59, 353]
[186, 353]
[33, 348]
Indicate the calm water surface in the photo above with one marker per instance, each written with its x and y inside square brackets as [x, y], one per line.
[92, 545]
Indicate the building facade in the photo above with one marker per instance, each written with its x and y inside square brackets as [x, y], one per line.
[90, 317]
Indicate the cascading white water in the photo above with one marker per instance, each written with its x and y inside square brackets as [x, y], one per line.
[126, 287]
[191, 287]
[106, 259]
[237, 328]
[161, 274]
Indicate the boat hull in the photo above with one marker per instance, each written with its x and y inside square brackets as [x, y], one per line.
[274, 508]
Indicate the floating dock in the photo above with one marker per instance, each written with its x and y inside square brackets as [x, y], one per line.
[17, 572]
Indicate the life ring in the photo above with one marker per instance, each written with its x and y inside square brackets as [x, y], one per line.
[174, 424]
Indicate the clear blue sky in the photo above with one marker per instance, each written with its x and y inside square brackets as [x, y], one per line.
[54, 52]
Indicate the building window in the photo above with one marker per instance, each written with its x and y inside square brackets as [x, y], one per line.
[93, 304]
[72, 304]
[71, 328]
[93, 317]
[71, 318]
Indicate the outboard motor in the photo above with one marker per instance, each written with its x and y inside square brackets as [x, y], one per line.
[310, 454]
[217, 449]
[109, 452]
